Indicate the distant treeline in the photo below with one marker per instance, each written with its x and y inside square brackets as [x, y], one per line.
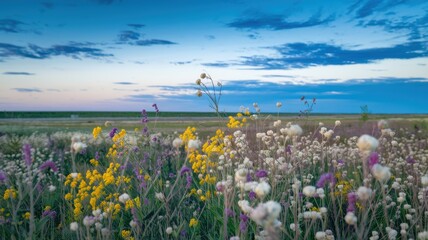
[101, 114]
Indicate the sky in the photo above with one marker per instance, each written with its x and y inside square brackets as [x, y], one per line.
[125, 55]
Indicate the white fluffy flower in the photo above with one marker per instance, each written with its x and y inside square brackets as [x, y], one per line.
[309, 191]
[133, 223]
[74, 175]
[51, 188]
[168, 230]
[194, 144]
[74, 226]
[279, 104]
[424, 181]
[328, 134]
[337, 123]
[245, 206]
[320, 236]
[382, 124]
[381, 173]
[88, 221]
[350, 218]
[160, 196]
[123, 198]
[262, 189]
[241, 175]
[294, 130]
[78, 146]
[423, 235]
[364, 193]
[177, 142]
[98, 226]
[367, 143]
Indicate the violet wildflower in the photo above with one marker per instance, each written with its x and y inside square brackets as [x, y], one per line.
[144, 118]
[27, 154]
[49, 213]
[2, 176]
[229, 212]
[188, 181]
[243, 223]
[183, 233]
[326, 177]
[352, 199]
[97, 156]
[252, 195]
[249, 178]
[410, 160]
[373, 159]
[113, 132]
[48, 164]
[288, 149]
[261, 173]
[184, 170]
[156, 107]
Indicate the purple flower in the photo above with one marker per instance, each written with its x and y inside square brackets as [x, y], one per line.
[243, 222]
[252, 195]
[410, 160]
[261, 173]
[288, 149]
[352, 199]
[249, 178]
[229, 212]
[27, 154]
[184, 170]
[144, 118]
[49, 213]
[188, 181]
[156, 107]
[113, 132]
[373, 159]
[2, 176]
[97, 156]
[48, 164]
[326, 177]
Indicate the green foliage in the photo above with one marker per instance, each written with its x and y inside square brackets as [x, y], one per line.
[364, 113]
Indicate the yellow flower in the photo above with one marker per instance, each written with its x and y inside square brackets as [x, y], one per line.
[68, 196]
[94, 162]
[193, 222]
[26, 215]
[96, 132]
[9, 193]
[126, 234]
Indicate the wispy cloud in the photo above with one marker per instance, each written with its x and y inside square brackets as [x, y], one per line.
[126, 36]
[216, 64]
[134, 38]
[136, 25]
[365, 8]
[151, 42]
[18, 73]
[27, 89]
[10, 25]
[277, 22]
[181, 62]
[302, 55]
[73, 50]
[125, 83]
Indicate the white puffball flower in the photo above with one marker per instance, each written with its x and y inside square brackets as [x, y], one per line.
[262, 189]
[309, 191]
[382, 124]
[168, 230]
[320, 236]
[364, 193]
[245, 206]
[241, 175]
[294, 130]
[79, 146]
[278, 104]
[337, 123]
[273, 208]
[177, 142]
[98, 226]
[194, 144]
[88, 221]
[350, 218]
[74, 175]
[423, 235]
[51, 188]
[133, 223]
[381, 173]
[424, 181]
[74, 226]
[367, 143]
[123, 198]
[160, 196]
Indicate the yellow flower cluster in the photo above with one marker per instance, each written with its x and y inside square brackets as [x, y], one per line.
[96, 132]
[215, 145]
[94, 162]
[119, 142]
[9, 193]
[26, 215]
[188, 134]
[193, 222]
[126, 234]
[239, 121]
[90, 192]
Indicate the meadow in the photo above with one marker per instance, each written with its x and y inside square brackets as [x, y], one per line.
[241, 176]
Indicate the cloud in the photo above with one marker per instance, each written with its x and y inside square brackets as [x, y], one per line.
[302, 55]
[181, 62]
[126, 36]
[10, 25]
[277, 22]
[136, 25]
[150, 42]
[216, 64]
[73, 50]
[18, 73]
[27, 89]
[365, 8]
[125, 83]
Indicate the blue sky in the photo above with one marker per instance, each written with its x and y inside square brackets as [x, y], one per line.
[125, 55]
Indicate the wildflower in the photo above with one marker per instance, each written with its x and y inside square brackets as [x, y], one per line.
[74, 175]
[74, 226]
[126, 234]
[373, 159]
[382, 124]
[278, 104]
[96, 132]
[48, 164]
[245, 206]
[350, 218]
[88, 221]
[423, 235]
[309, 191]
[2, 176]
[177, 142]
[78, 147]
[51, 188]
[352, 200]
[155, 106]
[364, 193]
[337, 123]
[194, 144]
[49, 213]
[294, 130]
[9, 194]
[168, 230]
[123, 198]
[424, 180]
[203, 75]
[27, 154]
[198, 81]
[241, 175]
[367, 143]
[320, 236]
[113, 132]
[26, 215]
[262, 189]
[193, 222]
[160, 196]
[199, 93]
[326, 177]
[261, 173]
[243, 223]
[381, 173]
[133, 223]
[184, 170]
